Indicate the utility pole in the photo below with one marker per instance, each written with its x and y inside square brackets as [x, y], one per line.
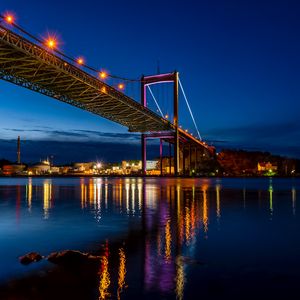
[19, 151]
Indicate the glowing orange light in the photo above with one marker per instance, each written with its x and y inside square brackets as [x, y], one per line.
[103, 75]
[80, 61]
[121, 86]
[167, 116]
[9, 19]
[51, 43]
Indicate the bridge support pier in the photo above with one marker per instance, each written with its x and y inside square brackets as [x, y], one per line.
[160, 156]
[143, 138]
[183, 160]
[176, 135]
[144, 153]
[170, 159]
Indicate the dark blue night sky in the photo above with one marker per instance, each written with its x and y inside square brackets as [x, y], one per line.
[238, 60]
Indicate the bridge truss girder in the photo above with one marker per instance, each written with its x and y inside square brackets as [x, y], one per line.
[31, 66]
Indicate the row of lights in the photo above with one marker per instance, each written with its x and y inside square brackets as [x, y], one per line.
[51, 43]
[186, 130]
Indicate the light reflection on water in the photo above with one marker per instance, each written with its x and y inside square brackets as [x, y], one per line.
[179, 223]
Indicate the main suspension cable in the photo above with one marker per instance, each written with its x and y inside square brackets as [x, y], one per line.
[155, 100]
[189, 108]
[65, 55]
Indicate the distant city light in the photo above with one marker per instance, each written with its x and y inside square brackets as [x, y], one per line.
[166, 116]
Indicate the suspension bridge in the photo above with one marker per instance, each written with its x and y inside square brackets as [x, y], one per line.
[36, 65]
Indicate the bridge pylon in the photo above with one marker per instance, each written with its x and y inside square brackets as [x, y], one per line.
[156, 79]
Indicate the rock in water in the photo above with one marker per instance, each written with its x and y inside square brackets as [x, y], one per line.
[29, 258]
[69, 257]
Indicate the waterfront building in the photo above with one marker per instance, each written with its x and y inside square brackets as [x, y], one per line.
[84, 168]
[13, 169]
[131, 167]
[41, 168]
[266, 167]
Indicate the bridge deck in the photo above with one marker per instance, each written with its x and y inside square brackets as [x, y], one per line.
[24, 63]
[29, 65]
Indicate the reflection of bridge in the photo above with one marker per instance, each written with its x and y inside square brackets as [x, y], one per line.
[35, 67]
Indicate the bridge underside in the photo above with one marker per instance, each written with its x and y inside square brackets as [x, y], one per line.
[29, 65]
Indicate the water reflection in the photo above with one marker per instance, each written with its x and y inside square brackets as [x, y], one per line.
[18, 203]
[205, 208]
[102, 196]
[47, 197]
[104, 281]
[180, 278]
[172, 219]
[271, 198]
[218, 210]
[168, 242]
[128, 196]
[29, 193]
[122, 272]
[294, 200]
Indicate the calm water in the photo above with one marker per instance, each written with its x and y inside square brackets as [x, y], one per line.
[159, 238]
